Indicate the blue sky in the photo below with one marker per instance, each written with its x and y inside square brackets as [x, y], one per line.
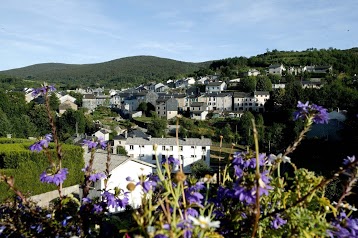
[89, 31]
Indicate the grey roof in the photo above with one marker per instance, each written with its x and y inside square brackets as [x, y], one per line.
[218, 94]
[132, 133]
[197, 104]
[89, 96]
[275, 65]
[169, 141]
[261, 93]
[241, 94]
[215, 83]
[100, 159]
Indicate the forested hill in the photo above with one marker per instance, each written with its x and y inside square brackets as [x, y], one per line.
[116, 73]
[131, 71]
[342, 61]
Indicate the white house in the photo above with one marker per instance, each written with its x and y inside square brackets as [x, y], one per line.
[250, 102]
[276, 69]
[252, 72]
[103, 134]
[219, 101]
[215, 87]
[261, 98]
[189, 150]
[198, 110]
[120, 168]
[65, 98]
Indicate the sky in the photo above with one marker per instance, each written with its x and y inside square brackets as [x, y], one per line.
[95, 31]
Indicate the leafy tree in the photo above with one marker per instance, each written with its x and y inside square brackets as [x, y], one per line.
[5, 124]
[246, 127]
[142, 107]
[274, 137]
[199, 169]
[229, 136]
[263, 83]
[68, 121]
[157, 127]
[78, 96]
[274, 78]
[39, 117]
[54, 102]
[248, 84]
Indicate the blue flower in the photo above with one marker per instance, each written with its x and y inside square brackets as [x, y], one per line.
[318, 114]
[278, 222]
[38, 146]
[43, 90]
[97, 208]
[56, 178]
[349, 160]
[97, 176]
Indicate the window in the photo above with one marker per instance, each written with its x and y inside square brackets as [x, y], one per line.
[163, 147]
[141, 155]
[153, 157]
[163, 157]
[171, 148]
[181, 148]
[131, 147]
[203, 148]
[193, 147]
[203, 157]
[193, 156]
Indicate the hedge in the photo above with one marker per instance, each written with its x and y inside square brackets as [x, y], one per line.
[26, 166]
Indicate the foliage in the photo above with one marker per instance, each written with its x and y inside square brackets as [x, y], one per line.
[200, 168]
[118, 73]
[157, 127]
[25, 166]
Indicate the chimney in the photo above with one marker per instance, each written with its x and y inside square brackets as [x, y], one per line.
[202, 137]
[149, 137]
[126, 134]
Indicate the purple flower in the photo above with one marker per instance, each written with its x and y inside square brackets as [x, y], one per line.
[318, 113]
[194, 197]
[102, 143]
[56, 178]
[97, 208]
[86, 200]
[245, 194]
[38, 146]
[129, 178]
[97, 176]
[110, 199]
[278, 222]
[2, 228]
[149, 185]
[192, 212]
[160, 236]
[43, 90]
[122, 202]
[349, 160]
[90, 143]
[171, 160]
[344, 226]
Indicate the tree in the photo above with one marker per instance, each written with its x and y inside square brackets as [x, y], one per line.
[5, 124]
[246, 127]
[229, 136]
[54, 102]
[157, 127]
[39, 117]
[68, 122]
[78, 97]
[248, 84]
[274, 78]
[199, 169]
[263, 83]
[143, 107]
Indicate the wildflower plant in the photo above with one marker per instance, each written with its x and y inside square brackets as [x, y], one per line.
[252, 198]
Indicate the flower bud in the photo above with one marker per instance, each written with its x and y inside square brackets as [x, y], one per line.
[179, 177]
[131, 186]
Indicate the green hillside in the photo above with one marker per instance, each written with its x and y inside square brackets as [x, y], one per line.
[116, 73]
